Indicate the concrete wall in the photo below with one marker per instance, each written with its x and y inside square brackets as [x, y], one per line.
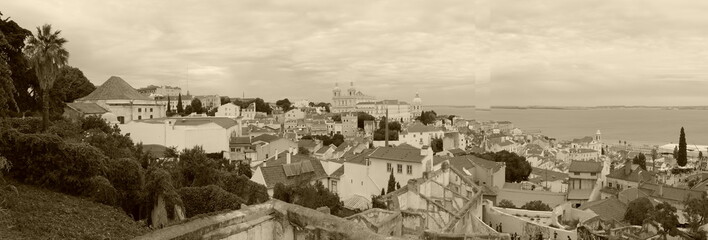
[521, 197]
[271, 220]
[523, 228]
[380, 221]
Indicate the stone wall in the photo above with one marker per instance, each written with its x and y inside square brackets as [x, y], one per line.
[271, 220]
[523, 228]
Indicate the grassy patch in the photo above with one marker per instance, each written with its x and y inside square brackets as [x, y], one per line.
[43, 214]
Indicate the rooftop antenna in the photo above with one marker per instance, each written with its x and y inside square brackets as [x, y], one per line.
[386, 126]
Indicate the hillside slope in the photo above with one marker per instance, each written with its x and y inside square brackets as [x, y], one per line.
[43, 214]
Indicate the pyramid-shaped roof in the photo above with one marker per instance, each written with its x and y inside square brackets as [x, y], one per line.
[115, 88]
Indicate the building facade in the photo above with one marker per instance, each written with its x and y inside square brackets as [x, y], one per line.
[121, 99]
[396, 110]
[346, 101]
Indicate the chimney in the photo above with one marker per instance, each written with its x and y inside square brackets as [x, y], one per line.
[287, 159]
[265, 164]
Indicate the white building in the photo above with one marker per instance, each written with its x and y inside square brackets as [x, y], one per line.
[346, 102]
[154, 91]
[212, 133]
[119, 98]
[419, 135]
[367, 173]
[294, 114]
[228, 110]
[249, 113]
[416, 106]
[397, 110]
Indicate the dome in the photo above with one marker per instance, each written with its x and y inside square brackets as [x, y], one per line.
[417, 99]
[336, 87]
[110, 118]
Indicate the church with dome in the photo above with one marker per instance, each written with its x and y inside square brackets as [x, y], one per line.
[346, 101]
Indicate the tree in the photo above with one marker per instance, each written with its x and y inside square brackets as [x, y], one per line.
[244, 169]
[517, 168]
[324, 105]
[46, 54]
[303, 151]
[654, 156]
[640, 160]
[602, 151]
[262, 106]
[392, 126]
[391, 183]
[361, 117]
[337, 118]
[188, 110]
[506, 204]
[427, 117]
[682, 156]
[700, 155]
[437, 145]
[536, 205]
[638, 210]
[675, 154]
[380, 134]
[224, 100]
[197, 106]
[696, 212]
[168, 112]
[180, 108]
[70, 85]
[22, 75]
[7, 87]
[664, 216]
[284, 104]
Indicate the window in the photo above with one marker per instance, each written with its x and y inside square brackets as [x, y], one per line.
[140, 110]
[593, 174]
[150, 109]
[121, 119]
[140, 117]
[389, 168]
[609, 184]
[409, 169]
[576, 173]
[150, 116]
[334, 186]
[233, 149]
[400, 168]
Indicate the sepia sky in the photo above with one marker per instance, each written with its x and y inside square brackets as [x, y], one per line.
[534, 52]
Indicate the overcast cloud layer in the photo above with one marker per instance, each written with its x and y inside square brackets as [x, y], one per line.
[507, 52]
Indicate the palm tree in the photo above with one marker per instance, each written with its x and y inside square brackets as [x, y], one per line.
[46, 54]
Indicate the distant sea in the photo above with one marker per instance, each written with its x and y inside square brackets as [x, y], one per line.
[638, 126]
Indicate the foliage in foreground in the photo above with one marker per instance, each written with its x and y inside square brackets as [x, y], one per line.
[310, 196]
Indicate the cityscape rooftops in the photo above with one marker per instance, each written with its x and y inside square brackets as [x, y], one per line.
[397, 154]
[585, 166]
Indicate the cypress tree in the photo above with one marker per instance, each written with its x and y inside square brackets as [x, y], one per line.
[681, 158]
[391, 183]
[180, 108]
[383, 192]
[169, 107]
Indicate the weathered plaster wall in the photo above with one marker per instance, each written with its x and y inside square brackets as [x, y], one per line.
[525, 229]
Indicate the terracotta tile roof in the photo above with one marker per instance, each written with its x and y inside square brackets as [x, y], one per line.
[419, 128]
[87, 108]
[289, 174]
[579, 194]
[323, 150]
[550, 174]
[670, 193]
[585, 166]
[265, 138]
[357, 202]
[607, 209]
[115, 88]
[634, 174]
[193, 121]
[397, 154]
[338, 173]
[406, 145]
[359, 158]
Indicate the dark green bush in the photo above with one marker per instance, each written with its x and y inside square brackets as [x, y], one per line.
[23, 125]
[212, 198]
[128, 178]
[47, 160]
[65, 129]
[99, 189]
[251, 192]
[158, 182]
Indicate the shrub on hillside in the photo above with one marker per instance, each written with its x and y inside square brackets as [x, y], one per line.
[251, 192]
[308, 195]
[23, 125]
[506, 204]
[536, 206]
[158, 182]
[128, 178]
[65, 129]
[95, 122]
[212, 198]
[99, 189]
[47, 160]
[113, 145]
